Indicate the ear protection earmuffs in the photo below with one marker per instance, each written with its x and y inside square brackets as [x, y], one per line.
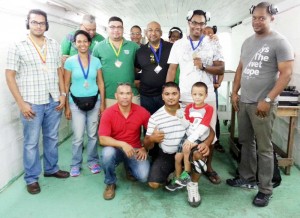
[175, 29]
[27, 25]
[272, 9]
[191, 13]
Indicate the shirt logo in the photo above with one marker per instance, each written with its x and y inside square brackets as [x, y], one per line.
[252, 69]
[126, 52]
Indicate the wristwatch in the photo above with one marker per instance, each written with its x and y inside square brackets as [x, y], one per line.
[63, 94]
[268, 100]
[203, 68]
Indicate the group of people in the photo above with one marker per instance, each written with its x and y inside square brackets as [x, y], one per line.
[112, 87]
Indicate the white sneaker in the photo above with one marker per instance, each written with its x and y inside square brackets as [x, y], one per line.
[194, 198]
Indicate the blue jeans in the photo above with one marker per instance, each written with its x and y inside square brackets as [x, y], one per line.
[152, 104]
[47, 119]
[81, 121]
[111, 157]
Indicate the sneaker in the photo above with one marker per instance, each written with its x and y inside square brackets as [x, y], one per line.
[172, 186]
[194, 198]
[95, 168]
[75, 171]
[261, 199]
[109, 192]
[184, 179]
[243, 183]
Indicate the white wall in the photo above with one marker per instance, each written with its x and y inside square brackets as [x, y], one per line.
[287, 22]
[12, 21]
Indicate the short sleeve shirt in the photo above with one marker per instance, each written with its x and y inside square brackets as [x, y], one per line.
[35, 80]
[182, 53]
[78, 80]
[115, 125]
[112, 74]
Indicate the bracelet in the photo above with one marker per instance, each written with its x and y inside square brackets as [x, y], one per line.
[63, 94]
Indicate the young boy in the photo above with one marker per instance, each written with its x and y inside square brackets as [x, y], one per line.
[197, 117]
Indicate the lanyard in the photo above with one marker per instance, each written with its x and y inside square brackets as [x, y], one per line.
[42, 56]
[113, 47]
[82, 69]
[157, 58]
[201, 38]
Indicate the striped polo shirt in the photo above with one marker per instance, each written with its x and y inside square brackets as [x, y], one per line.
[170, 125]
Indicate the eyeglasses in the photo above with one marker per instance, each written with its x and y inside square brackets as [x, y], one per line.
[88, 30]
[157, 31]
[135, 34]
[195, 23]
[35, 23]
[116, 28]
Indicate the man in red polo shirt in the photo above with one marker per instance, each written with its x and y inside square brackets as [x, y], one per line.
[120, 131]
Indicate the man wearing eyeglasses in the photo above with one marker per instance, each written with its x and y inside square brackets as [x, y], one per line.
[88, 24]
[35, 80]
[136, 34]
[117, 57]
[199, 58]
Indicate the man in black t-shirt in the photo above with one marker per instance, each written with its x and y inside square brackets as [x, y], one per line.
[151, 60]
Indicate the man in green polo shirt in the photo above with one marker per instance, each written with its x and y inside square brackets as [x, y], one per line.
[117, 58]
[88, 24]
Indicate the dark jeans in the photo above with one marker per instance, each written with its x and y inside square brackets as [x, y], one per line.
[151, 104]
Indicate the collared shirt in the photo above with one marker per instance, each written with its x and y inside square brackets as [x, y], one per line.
[152, 82]
[35, 81]
[112, 75]
[114, 124]
[182, 54]
[67, 47]
[170, 125]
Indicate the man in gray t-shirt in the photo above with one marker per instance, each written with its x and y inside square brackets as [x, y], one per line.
[264, 70]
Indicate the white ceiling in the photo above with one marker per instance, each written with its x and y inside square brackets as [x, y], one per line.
[169, 13]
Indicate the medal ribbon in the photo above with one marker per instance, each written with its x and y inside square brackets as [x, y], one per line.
[113, 47]
[157, 58]
[82, 69]
[191, 41]
[37, 48]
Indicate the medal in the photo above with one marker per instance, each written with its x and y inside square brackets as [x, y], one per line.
[44, 67]
[118, 63]
[85, 74]
[157, 69]
[42, 53]
[86, 84]
[195, 55]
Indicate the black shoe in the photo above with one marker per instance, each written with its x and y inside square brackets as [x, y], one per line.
[276, 182]
[243, 183]
[261, 199]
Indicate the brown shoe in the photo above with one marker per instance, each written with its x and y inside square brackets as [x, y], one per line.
[34, 188]
[59, 174]
[109, 192]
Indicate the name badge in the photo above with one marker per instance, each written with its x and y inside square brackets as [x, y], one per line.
[157, 69]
